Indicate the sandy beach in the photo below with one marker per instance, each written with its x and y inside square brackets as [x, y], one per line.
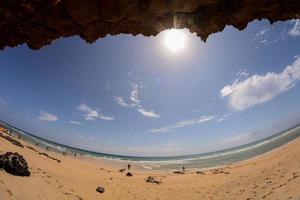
[274, 175]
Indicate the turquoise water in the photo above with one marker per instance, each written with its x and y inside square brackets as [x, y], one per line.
[203, 160]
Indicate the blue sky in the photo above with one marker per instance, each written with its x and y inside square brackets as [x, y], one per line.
[133, 96]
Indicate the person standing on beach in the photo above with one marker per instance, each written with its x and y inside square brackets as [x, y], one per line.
[183, 169]
[128, 166]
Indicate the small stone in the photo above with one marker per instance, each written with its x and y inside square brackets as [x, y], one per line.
[100, 189]
[129, 174]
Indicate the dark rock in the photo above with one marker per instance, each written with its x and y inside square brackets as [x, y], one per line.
[129, 174]
[37, 23]
[14, 164]
[152, 179]
[100, 189]
[200, 172]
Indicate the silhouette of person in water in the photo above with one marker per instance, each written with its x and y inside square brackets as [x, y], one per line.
[183, 169]
[128, 166]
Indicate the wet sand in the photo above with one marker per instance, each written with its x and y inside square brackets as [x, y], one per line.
[274, 175]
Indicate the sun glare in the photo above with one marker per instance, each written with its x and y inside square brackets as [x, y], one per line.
[174, 40]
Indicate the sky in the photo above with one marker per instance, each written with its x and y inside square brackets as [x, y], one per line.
[136, 95]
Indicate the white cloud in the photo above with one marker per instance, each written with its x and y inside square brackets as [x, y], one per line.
[44, 116]
[121, 102]
[134, 96]
[263, 36]
[149, 113]
[276, 32]
[224, 117]
[106, 117]
[271, 34]
[262, 32]
[75, 122]
[135, 102]
[242, 73]
[182, 124]
[89, 113]
[258, 89]
[295, 31]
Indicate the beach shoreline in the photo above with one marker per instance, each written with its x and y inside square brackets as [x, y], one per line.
[139, 166]
[272, 175]
[204, 161]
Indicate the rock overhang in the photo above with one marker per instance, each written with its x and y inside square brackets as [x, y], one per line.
[38, 22]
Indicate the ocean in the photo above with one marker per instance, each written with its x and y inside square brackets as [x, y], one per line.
[195, 161]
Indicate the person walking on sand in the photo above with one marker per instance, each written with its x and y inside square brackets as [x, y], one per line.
[128, 166]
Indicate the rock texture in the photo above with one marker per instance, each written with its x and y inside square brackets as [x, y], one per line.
[14, 164]
[38, 22]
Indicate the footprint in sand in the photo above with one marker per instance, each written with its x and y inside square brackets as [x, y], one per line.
[79, 197]
[9, 192]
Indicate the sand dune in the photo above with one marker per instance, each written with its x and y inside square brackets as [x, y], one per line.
[274, 175]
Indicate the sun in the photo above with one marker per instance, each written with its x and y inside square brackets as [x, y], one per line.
[174, 40]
